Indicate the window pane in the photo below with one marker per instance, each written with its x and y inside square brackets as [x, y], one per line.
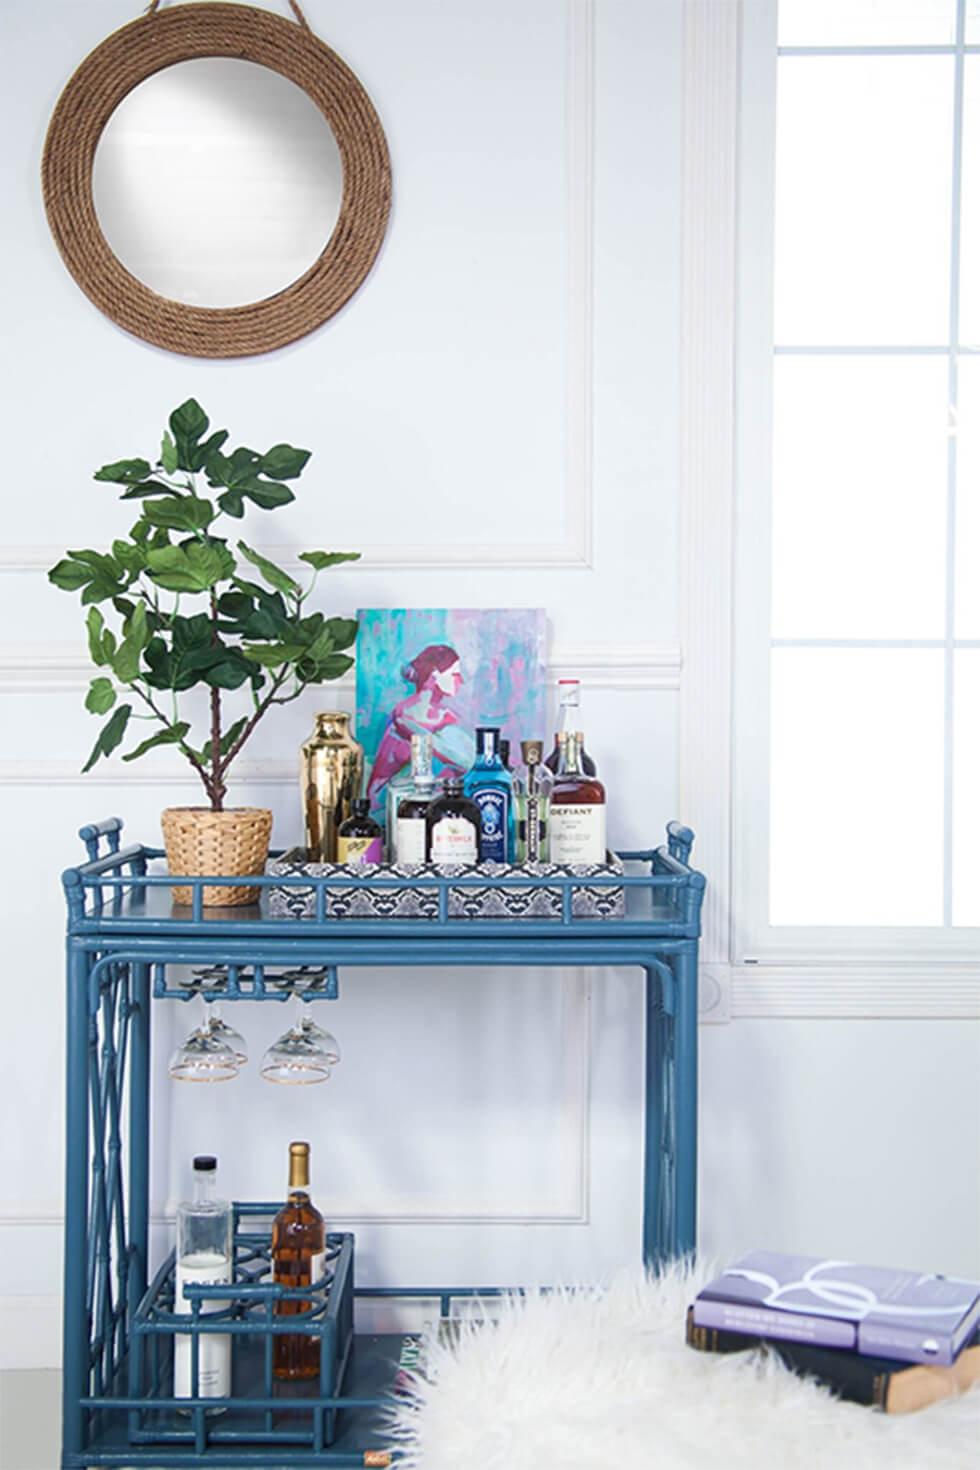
[966, 788]
[968, 501]
[970, 207]
[857, 779]
[867, 22]
[863, 195]
[859, 497]
[972, 22]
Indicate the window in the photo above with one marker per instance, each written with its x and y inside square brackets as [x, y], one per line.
[858, 386]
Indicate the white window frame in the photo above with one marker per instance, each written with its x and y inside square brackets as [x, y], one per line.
[753, 969]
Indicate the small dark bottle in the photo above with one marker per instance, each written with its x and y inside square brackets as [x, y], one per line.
[359, 838]
[453, 825]
[503, 750]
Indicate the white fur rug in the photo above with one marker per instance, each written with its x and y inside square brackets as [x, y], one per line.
[591, 1380]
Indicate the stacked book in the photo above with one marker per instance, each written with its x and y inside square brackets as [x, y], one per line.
[897, 1340]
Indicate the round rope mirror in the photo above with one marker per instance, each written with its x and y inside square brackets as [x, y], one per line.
[164, 38]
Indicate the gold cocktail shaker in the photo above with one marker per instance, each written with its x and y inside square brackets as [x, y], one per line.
[331, 773]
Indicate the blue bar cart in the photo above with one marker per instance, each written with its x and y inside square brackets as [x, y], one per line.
[125, 941]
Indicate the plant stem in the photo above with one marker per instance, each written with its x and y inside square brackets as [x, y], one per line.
[218, 787]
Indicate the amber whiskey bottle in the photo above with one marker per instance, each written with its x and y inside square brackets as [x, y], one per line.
[578, 809]
[298, 1258]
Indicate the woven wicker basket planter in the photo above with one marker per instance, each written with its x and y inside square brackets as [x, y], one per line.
[218, 845]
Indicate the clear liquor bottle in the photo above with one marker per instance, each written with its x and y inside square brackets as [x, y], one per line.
[532, 796]
[411, 840]
[491, 786]
[298, 1258]
[453, 825]
[578, 809]
[569, 721]
[204, 1258]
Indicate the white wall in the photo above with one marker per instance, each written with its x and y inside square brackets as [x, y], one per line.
[494, 420]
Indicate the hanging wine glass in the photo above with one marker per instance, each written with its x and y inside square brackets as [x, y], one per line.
[325, 1040]
[304, 1054]
[204, 1057]
[232, 1038]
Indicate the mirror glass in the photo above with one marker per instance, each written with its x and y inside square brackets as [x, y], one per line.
[217, 182]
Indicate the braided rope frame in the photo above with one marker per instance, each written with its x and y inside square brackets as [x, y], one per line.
[164, 38]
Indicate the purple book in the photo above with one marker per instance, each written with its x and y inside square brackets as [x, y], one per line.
[865, 1309]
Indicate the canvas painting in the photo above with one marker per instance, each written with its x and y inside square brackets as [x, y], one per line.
[445, 671]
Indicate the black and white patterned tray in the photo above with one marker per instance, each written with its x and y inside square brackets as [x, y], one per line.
[537, 901]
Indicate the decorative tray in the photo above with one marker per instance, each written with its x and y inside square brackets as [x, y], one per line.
[362, 898]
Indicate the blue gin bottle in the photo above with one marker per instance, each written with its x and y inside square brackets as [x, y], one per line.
[491, 786]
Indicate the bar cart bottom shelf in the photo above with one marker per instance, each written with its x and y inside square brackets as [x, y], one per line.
[360, 1438]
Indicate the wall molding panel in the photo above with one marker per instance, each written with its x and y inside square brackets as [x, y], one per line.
[874, 992]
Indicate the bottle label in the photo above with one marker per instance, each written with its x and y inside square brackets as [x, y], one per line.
[410, 840]
[578, 834]
[534, 830]
[356, 850]
[214, 1349]
[454, 841]
[493, 823]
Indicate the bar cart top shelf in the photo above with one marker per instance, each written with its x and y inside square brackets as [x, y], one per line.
[126, 890]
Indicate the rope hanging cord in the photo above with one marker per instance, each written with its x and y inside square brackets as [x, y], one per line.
[154, 4]
[183, 33]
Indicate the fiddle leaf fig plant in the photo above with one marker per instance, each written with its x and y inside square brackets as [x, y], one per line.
[179, 603]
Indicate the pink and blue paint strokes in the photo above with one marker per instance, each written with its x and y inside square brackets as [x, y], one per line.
[445, 671]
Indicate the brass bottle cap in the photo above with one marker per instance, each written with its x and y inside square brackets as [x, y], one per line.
[532, 752]
[299, 1165]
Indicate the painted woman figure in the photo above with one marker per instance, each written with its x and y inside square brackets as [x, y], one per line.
[437, 677]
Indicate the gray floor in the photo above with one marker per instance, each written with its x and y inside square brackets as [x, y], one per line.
[30, 1420]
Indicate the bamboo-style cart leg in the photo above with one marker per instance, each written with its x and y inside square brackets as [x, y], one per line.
[76, 1326]
[685, 1075]
[139, 1168]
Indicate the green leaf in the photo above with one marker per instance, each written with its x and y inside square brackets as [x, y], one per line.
[231, 503]
[101, 589]
[109, 736]
[183, 514]
[232, 733]
[232, 470]
[334, 666]
[320, 560]
[343, 631]
[129, 555]
[136, 629]
[274, 575]
[193, 632]
[187, 424]
[201, 453]
[69, 575]
[149, 487]
[190, 568]
[172, 735]
[271, 655]
[126, 662]
[101, 696]
[228, 673]
[266, 494]
[124, 471]
[168, 452]
[95, 623]
[283, 462]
